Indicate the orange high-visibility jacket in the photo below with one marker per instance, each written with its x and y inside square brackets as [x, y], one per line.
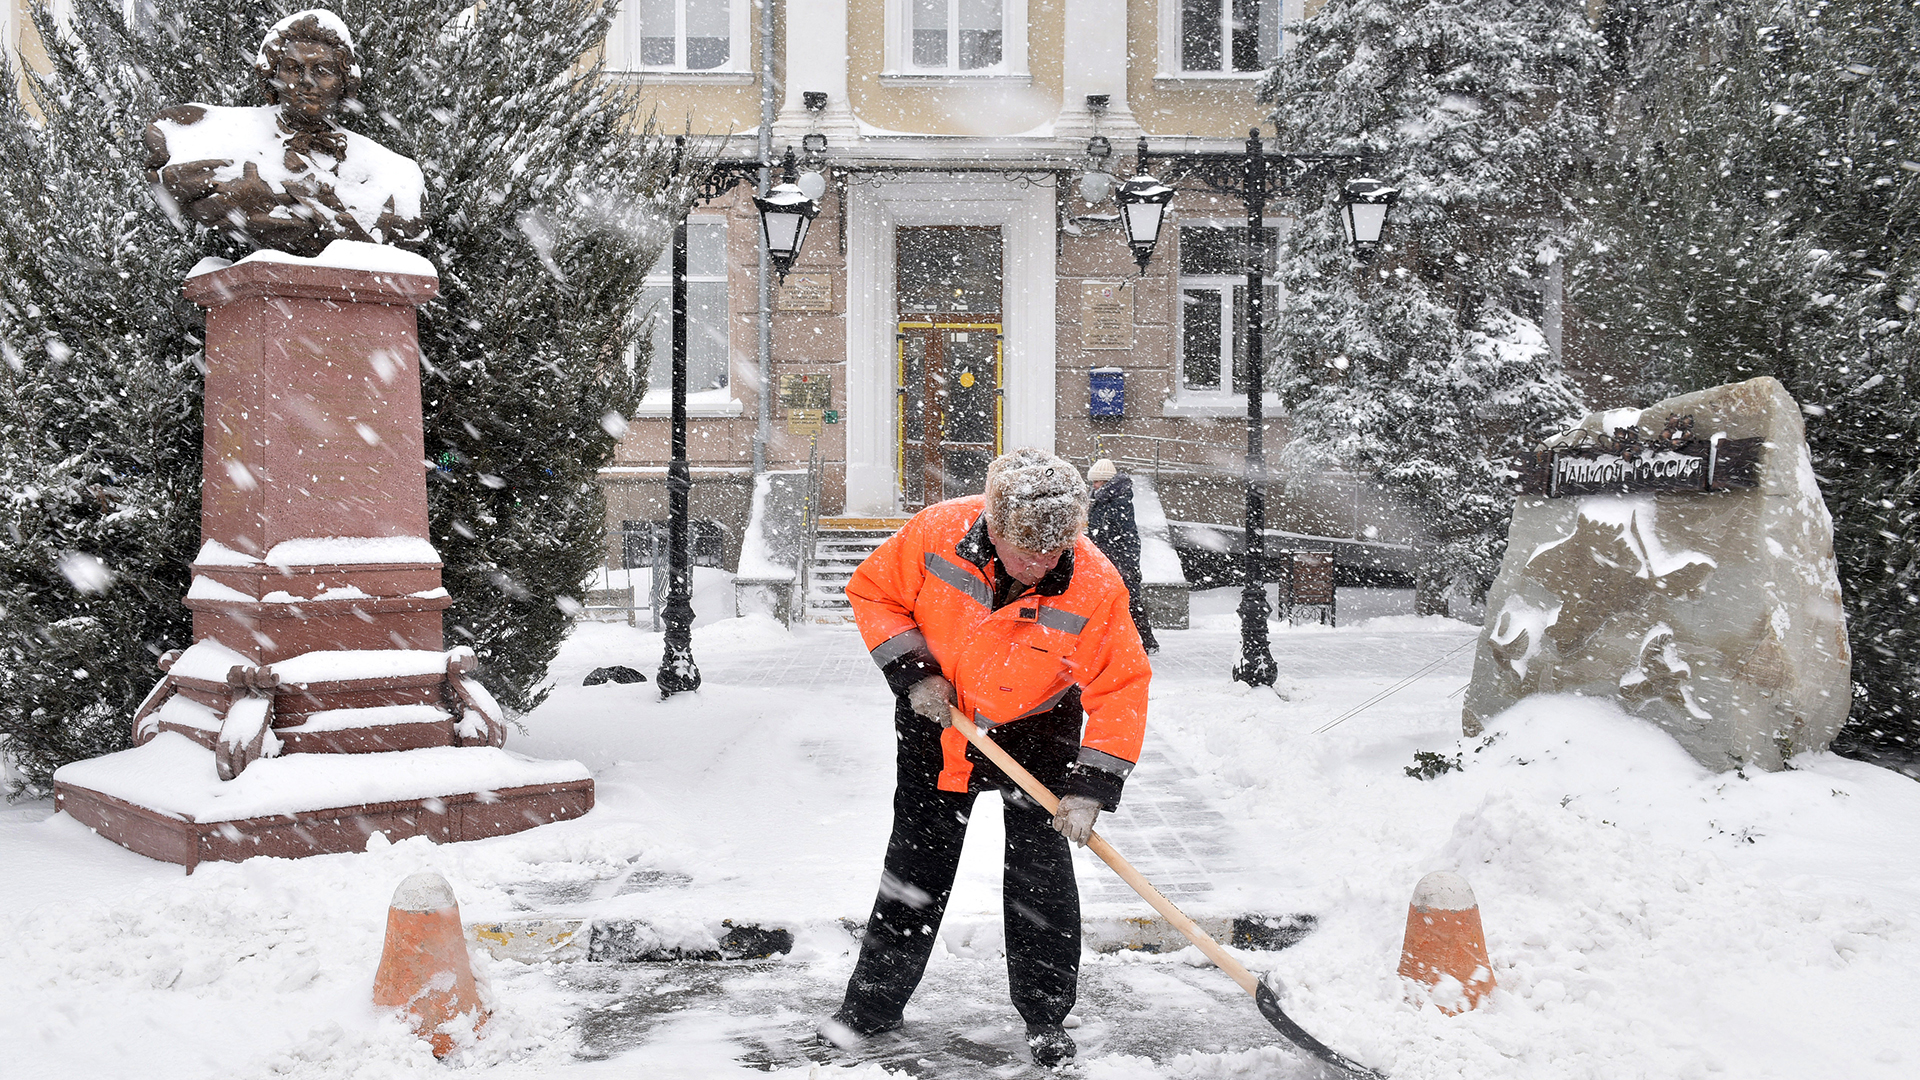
[923, 603]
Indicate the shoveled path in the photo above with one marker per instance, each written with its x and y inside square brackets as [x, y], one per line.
[762, 1014]
[1168, 827]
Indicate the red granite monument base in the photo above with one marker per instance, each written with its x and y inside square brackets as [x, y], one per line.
[316, 595]
[165, 801]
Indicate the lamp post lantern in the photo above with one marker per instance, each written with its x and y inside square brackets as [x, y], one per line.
[1257, 177]
[1143, 206]
[1363, 214]
[785, 213]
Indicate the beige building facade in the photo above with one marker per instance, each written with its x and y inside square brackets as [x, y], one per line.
[959, 293]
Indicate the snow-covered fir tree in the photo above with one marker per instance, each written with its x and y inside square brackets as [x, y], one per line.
[1756, 214]
[1428, 372]
[99, 418]
[549, 198]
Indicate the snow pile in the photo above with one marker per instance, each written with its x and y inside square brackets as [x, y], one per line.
[340, 255]
[1159, 563]
[359, 550]
[175, 775]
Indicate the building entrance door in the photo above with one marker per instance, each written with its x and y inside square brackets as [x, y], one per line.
[950, 361]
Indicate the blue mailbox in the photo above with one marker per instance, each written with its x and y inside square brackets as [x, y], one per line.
[1106, 392]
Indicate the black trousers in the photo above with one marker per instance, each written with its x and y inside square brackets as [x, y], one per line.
[1040, 899]
[1137, 607]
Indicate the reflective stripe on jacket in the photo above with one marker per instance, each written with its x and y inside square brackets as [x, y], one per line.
[923, 602]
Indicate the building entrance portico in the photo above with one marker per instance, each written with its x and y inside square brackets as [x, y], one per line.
[950, 333]
[949, 426]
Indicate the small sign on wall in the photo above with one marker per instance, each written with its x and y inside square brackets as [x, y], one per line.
[804, 421]
[807, 292]
[1106, 315]
[813, 390]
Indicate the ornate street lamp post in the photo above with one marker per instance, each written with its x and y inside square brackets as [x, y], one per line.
[785, 213]
[1257, 177]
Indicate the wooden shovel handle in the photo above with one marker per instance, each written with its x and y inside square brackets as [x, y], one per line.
[1098, 844]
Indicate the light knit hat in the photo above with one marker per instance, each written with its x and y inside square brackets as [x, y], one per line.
[1035, 501]
[1100, 471]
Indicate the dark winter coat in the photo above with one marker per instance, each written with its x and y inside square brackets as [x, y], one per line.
[1111, 527]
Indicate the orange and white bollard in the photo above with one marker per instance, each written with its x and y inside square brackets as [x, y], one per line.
[1445, 940]
[425, 968]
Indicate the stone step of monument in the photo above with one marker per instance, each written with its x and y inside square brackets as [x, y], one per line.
[373, 730]
[162, 799]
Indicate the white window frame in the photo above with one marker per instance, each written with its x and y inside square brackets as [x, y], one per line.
[899, 68]
[1169, 52]
[717, 402]
[623, 44]
[1224, 401]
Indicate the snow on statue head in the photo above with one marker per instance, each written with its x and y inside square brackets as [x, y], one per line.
[1035, 500]
[279, 63]
[286, 176]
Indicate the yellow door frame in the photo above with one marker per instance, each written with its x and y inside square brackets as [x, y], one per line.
[960, 323]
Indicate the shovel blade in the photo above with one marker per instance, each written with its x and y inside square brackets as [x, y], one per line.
[1269, 1003]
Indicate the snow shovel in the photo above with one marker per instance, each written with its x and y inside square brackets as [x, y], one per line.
[1263, 994]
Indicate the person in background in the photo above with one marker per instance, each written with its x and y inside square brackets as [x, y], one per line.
[1111, 527]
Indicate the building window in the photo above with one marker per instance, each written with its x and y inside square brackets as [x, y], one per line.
[1214, 310]
[1219, 37]
[956, 37]
[679, 35]
[707, 347]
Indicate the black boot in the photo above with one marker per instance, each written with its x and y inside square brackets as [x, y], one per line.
[848, 1028]
[1050, 1043]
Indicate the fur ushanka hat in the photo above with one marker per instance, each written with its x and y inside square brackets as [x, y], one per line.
[1035, 501]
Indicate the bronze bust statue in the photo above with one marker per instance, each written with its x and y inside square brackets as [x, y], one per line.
[286, 176]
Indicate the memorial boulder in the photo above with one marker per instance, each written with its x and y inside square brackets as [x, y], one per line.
[1679, 560]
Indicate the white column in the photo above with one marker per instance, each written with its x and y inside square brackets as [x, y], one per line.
[1095, 62]
[8, 49]
[816, 60]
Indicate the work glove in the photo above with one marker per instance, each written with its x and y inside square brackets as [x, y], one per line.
[932, 697]
[1074, 819]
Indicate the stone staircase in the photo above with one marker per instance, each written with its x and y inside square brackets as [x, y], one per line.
[840, 546]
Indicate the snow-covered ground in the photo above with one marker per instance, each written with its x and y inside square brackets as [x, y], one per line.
[1646, 918]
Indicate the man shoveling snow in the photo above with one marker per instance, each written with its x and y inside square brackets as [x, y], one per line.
[1000, 605]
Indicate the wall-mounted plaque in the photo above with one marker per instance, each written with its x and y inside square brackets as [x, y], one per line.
[804, 421]
[1106, 315]
[807, 292]
[809, 391]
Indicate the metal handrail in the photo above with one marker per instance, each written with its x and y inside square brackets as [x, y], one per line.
[1156, 464]
[809, 534]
